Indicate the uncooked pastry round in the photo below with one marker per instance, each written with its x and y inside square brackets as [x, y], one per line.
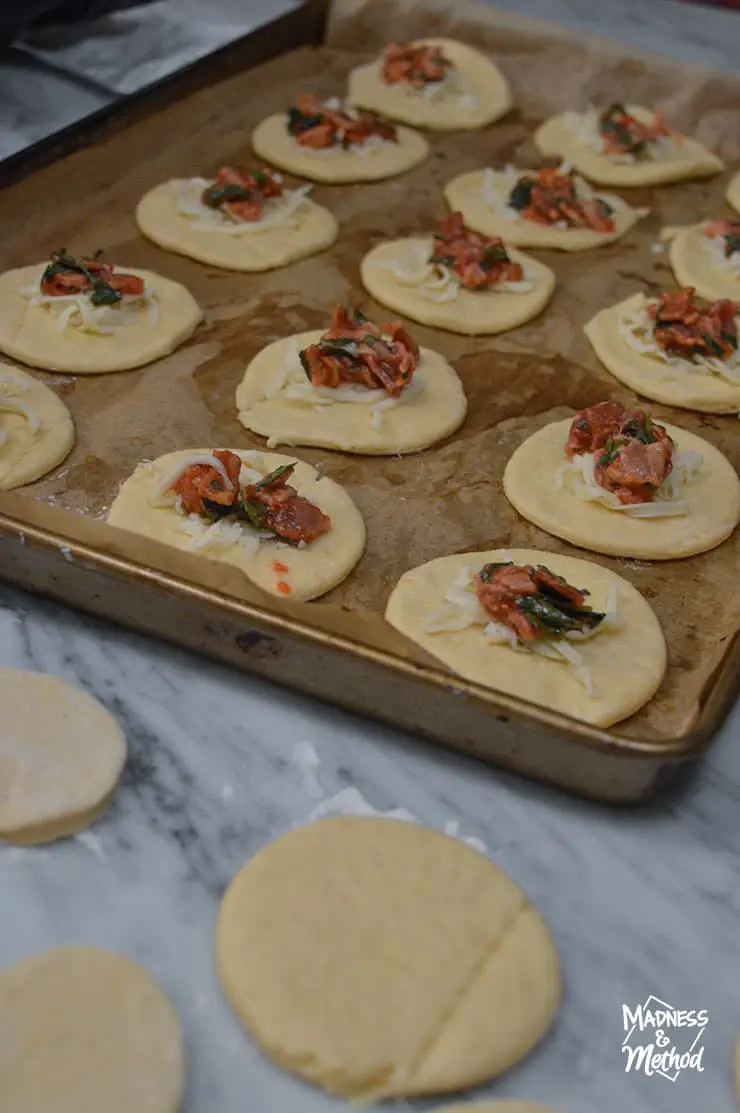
[30, 333]
[86, 1031]
[26, 455]
[713, 498]
[627, 662]
[693, 265]
[464, 194]
[555, 139]
[733, 192]
[309, 571]
[311, 228]
[484, 82]
[420, 420]
[378, 958]
[272, 141]
[61, 755]
[472, 312]
[688, 390]
[495, 1107]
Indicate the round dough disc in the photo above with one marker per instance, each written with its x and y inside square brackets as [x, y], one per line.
[472, 312]
[30, 334]
[272, 142]
[693, 265]
[27, 455]
[661, 382]
[465, 194]
[309, 229]
[378, 958]
[495, 1107]
[483, 81]
[627, 663]
[733, 192]
[309, 572]
[713, 498]
[61, 756]
[555, 139]
[87, 1030]
[421, 419]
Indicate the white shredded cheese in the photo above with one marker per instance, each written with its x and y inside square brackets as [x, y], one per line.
[714, 246]
[163, 485]
[669, 501]
[276, 210]
[436, 282]
[584, 126]
[77, 311]
[636, 329]
[455, 88]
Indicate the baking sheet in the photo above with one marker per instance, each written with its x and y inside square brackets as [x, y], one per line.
[448, 499]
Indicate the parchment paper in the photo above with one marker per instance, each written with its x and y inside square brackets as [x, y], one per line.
[448, 499]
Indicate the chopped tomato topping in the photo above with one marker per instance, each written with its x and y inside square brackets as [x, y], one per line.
[478, 261]
[354, 350]
[416, 65]
[278, 566]
[591, 428]
[66, 275]
[287, 513]
[624, 134]
[283, 588]
[550, 197]
[727, 230]
[634, 454]
[203, 481]
[532, 601]
[313, 124]
[242, 193]
[685, 329]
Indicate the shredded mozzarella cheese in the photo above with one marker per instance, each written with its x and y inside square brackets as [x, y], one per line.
[636, 329]
[276, 211]
[584, 126]
[77, 311]
[579, 473]
[162, 486]
[434, 281]
[715, 248]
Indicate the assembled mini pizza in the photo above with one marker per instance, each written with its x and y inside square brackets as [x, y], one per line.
[36, 430]
[88, 317]
[291, 531]
[672, 349]
[243, 220]
[625, 146]
[563, 633]
[733, 192]
[356, 387]
[706, 256]
[540, 208]
[459, 280]
[328, 142]
[438, 84]
[614, 481]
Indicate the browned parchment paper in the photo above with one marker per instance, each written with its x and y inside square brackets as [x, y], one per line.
[448, 499]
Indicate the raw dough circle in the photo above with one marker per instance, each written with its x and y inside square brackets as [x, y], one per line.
[713, 498]
[86, 1031]
[687, 390]
[495, 1107]
[472, 312]
[420, 420]
[464, 194]
[61, 755]
[272, 142]
[733, 192]
[483, 80]
[309, 572]
[693, 265]
[26, 455]
[30, 334]
[627, 663]
[378, 958]
[555, 139]
[310, 229]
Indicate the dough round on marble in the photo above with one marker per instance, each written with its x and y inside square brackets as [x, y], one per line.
[87, 1031]
[272, 142]
[472, 312]
[436, 408]
[464, 194]
[378, 959]
[673, 386]
[713, 498]
[627, 662]
[30, 333]
[482, 80]
[309, 229]
[27, 454]
[554, 139]
[694, 264]
[733, 192]
[309, 571]
[495, 1107]
[61, 756]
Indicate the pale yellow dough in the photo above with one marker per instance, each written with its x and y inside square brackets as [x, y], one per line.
[464, 194]
[687, 389]
[87, 1031]
[311, 571]
[555, 139]
[495, 1107]
[435, 409]
[442, 112]
[378, 959]
[27, 455]
[30, 334]
[733, 192]
[272, 142]
[694, 265]
[627, 663]
[61, 756]
[713, 498]
[472, 312]
[310, 229]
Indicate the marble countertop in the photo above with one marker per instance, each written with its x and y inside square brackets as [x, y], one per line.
[640, 902]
